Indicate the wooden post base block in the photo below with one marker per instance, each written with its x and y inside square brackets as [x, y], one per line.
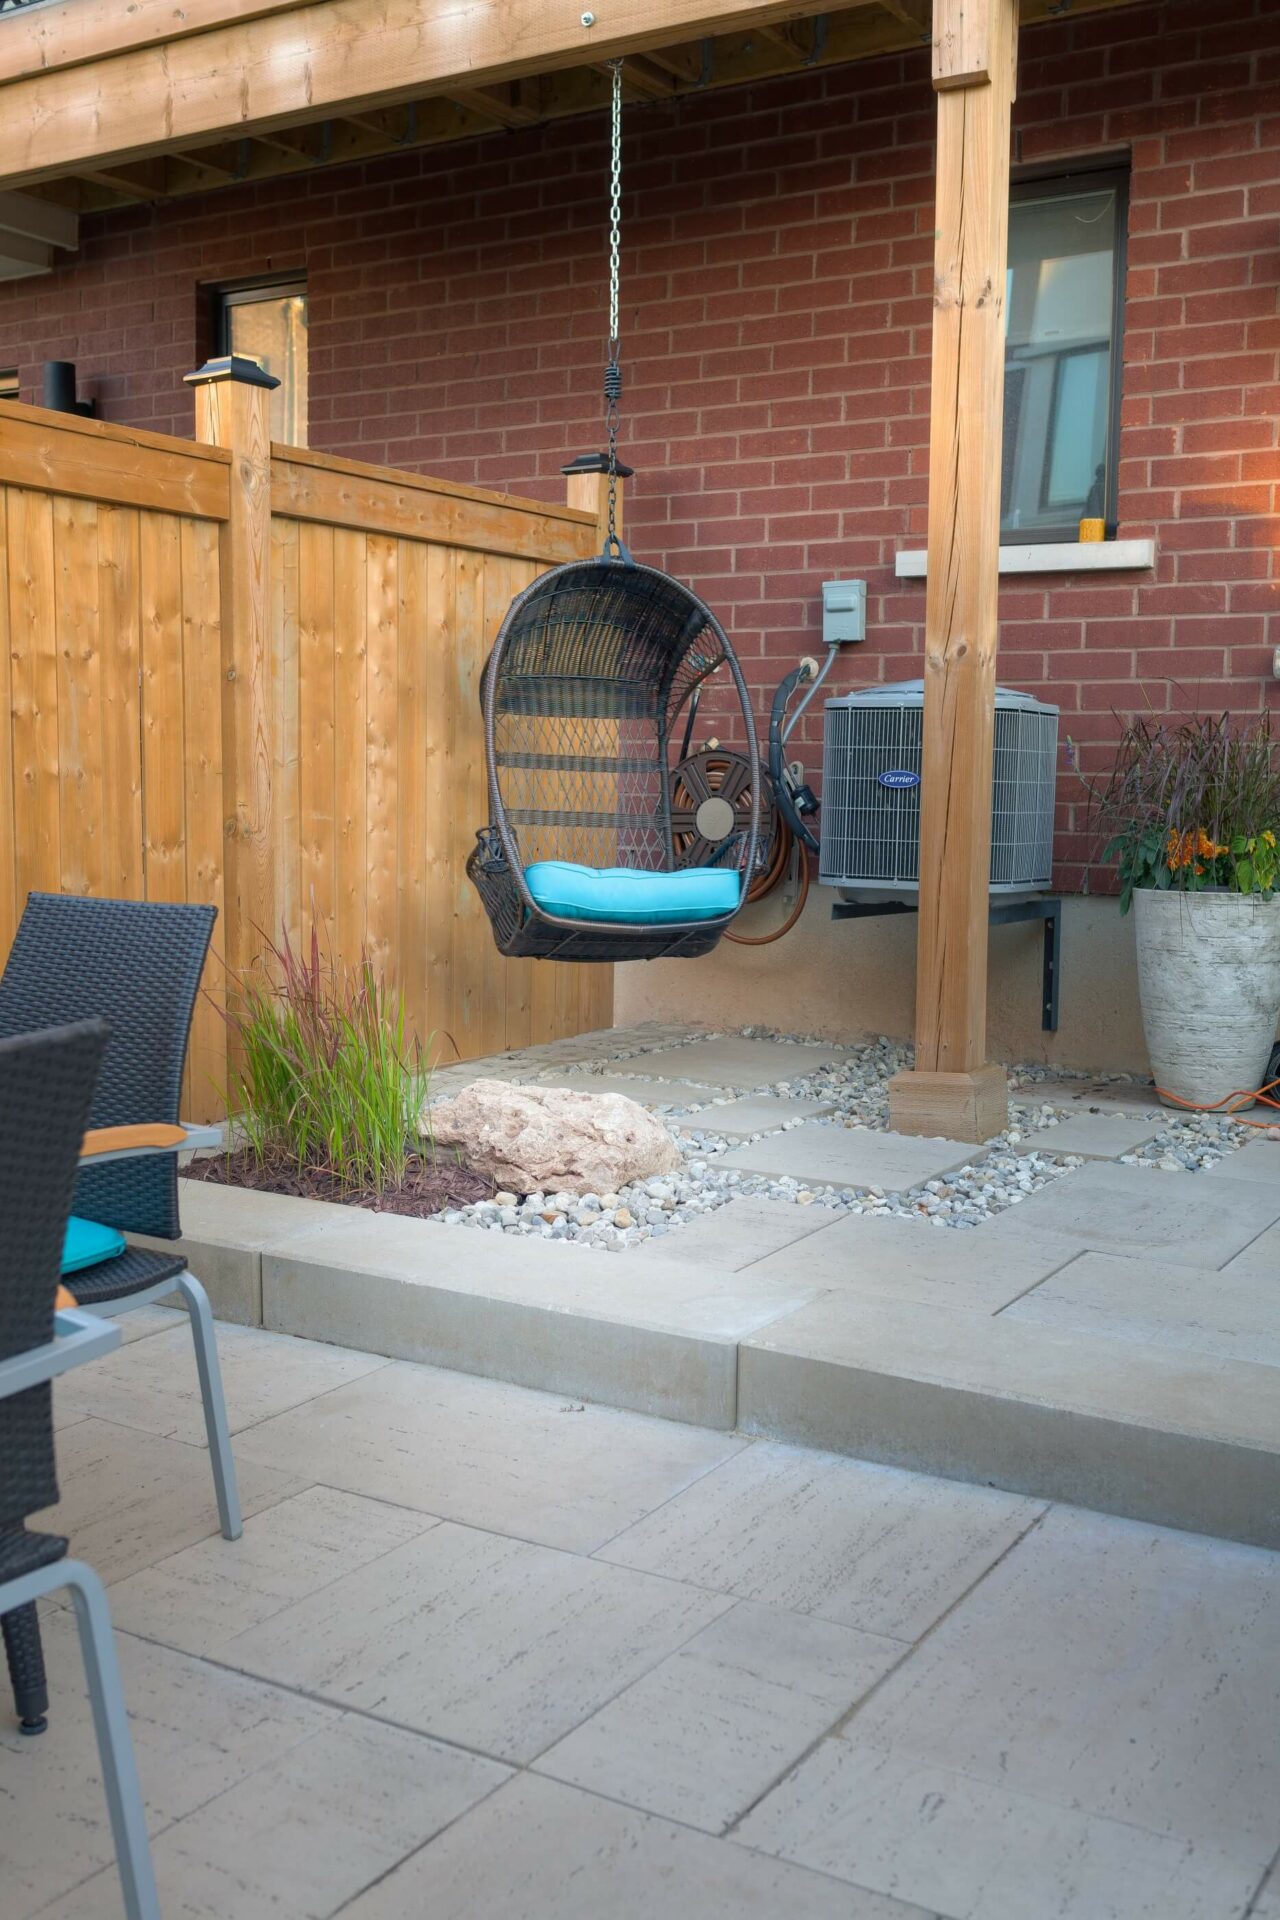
[956, 1106]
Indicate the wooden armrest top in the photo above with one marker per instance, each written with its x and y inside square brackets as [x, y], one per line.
[101, 1140]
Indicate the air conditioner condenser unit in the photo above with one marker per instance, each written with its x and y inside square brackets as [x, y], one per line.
[871, 792]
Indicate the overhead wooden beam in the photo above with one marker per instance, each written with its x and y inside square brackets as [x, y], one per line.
[42, 39]
[283, 69]
[953, 1088]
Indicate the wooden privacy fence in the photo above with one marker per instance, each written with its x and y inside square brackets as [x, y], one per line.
[249, 675]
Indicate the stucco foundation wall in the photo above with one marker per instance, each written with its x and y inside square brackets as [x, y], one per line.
[847, 980]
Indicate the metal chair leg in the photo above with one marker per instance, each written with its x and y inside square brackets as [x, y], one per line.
[115, 1748]
[215, 1406]
[21, 1630]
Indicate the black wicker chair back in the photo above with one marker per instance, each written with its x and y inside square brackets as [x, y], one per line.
[136, 964]
[586, 696]
[46, 1086]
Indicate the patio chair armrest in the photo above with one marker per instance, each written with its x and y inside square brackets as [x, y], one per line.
[129, 1143]
[78, 1336]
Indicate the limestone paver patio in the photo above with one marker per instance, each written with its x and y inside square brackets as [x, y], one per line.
[1095, 1136]
[1110, 1339]
[837, 1156]
[485, 1652]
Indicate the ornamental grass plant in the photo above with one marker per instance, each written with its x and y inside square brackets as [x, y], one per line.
[323, 1077]
[1192, 805]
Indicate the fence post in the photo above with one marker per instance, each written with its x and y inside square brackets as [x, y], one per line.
[233, 410]
[588, 488]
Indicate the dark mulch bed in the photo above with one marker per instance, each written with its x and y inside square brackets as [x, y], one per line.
[429, 1185]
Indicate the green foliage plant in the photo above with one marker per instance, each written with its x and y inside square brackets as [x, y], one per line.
[1192, 805]
[323, 1076]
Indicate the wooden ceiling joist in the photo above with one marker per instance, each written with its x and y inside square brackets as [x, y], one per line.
[912, 13]
[643, 80]
[506, 105]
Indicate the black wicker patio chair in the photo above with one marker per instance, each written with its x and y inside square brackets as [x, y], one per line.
[136, 964]
[46, 1084]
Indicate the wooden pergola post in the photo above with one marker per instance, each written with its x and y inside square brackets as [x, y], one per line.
[233, 410]
[953, 1088]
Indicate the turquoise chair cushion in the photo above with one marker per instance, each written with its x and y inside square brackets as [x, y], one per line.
[87, 1243]
[630, 896]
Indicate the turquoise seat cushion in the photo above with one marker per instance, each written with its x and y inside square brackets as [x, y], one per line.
[630, 896]
[86, 1244]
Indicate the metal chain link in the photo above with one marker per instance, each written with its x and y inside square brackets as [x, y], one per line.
[613, 370]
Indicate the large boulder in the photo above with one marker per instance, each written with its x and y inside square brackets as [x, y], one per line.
[550, 1139]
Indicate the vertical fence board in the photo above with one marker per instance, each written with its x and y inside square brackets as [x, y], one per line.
[163, 727]
[33, 638]
[350, 612]
[121, 646]
[412, 694]
[80, 748]
[316, 769]
[381, 735]
[503, 987]
[202, 801]
[8, 851]
[286, 752]
[470, 809]
[440, 726]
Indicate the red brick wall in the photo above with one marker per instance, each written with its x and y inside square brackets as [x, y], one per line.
[776, 315]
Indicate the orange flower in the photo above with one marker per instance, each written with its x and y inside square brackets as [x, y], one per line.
[1178, 850]
[1190, 848]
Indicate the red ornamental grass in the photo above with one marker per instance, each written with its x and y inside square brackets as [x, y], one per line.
[323, 1074]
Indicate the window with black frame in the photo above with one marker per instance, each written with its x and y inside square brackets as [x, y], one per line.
[1064, 309]
[266, 321]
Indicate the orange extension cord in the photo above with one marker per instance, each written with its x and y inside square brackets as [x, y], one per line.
[1241, 1093]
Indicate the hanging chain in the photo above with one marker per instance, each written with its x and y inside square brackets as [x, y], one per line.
[613, 370]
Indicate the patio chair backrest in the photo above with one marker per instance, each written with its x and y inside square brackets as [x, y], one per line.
[46, 1085]
[137, 965]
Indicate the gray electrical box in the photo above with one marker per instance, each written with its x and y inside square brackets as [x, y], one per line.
[844, 611]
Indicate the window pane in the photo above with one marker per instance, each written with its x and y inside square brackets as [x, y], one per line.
[1058, 358]
[273, 331]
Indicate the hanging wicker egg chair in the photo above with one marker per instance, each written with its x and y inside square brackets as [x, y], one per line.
[585, 696]
[605, 841]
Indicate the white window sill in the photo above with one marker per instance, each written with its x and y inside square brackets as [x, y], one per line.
[1067, 556]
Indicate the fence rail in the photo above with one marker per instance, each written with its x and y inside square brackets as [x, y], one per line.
[249, 675]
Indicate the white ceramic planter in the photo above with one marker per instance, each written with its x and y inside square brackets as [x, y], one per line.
[1209, 981]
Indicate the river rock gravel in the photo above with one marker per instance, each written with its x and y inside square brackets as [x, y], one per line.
[1000, 1175]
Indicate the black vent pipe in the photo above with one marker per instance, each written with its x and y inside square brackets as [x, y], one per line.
[59, 389]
